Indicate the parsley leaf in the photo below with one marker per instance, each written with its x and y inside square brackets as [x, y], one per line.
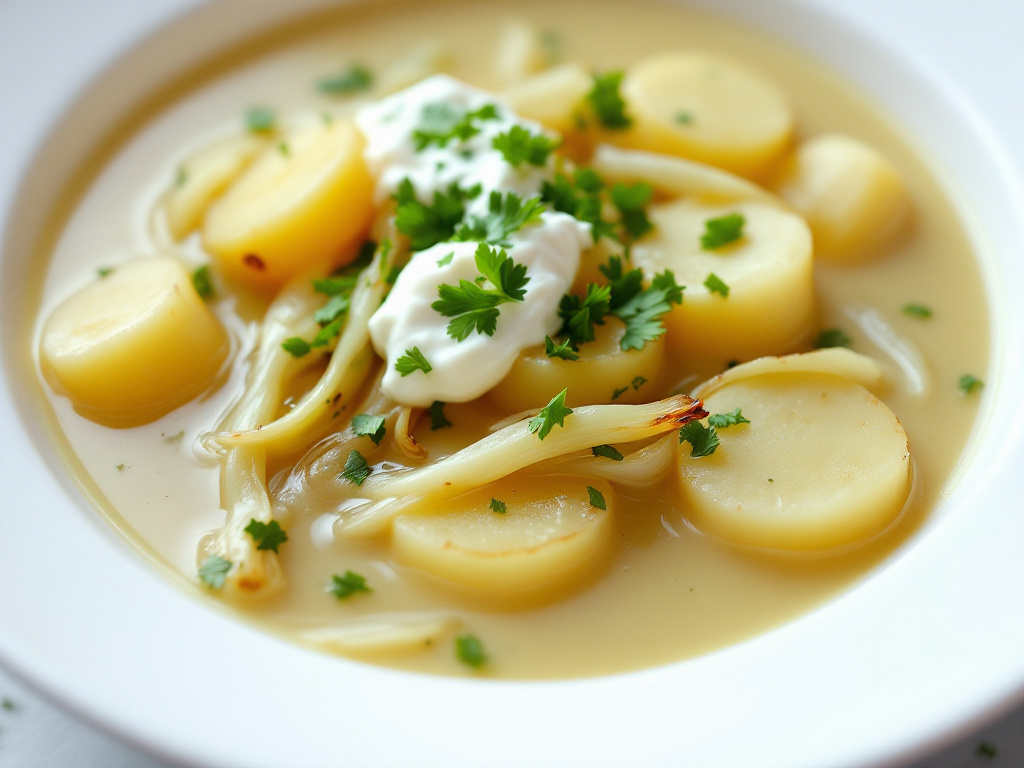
[607, 102]
[715, 285]
[563, 351]
[721, 231]
[214, 571]
[519, 146]
[437, 418]
[260, 120]
[917, 310]
[473, 307]
[722, 420]
[505, 216]
[580, 198]
[413, 360]
[630, 200]
[470, 651]
[619, 392]
[968, 384]
[581, 315]
[596, 498]
[347, 585]
[607, 451]
[832, 337]
[104, 271]
[202, 282]
[266, 535]
[356, 469]
[552, 413]
[444, 261]
[498, 506]
[440, 123]
[356, 79]
[427, 225]
[703, 440]
[367, 425]
[296, 347]
[642, 314]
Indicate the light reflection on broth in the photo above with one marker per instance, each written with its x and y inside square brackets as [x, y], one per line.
[666, 592]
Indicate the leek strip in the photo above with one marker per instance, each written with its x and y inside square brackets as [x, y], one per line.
[383, 633]
[515, 447]
[677, 176]
[897, 348]
[637, 469]
[342, 374]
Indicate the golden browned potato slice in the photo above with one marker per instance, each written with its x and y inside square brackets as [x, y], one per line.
[135, 344]
[767, 303]
[852, 197]
[300, 202]
[708, 108]
[604, 373]
[548, 535]
[823, 463]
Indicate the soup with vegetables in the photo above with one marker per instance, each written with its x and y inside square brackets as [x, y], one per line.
[542, 340]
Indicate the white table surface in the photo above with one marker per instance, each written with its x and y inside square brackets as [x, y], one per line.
[986, 63]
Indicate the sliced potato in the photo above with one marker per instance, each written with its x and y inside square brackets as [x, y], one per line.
[852, 197]
[549, 535]
[822, 464]
[383, 633]
[135, 344]
[520, 53]
[604, 373]
[552, 97]
[300, 202]
[708, 108]
[205, 176]
[770, 303]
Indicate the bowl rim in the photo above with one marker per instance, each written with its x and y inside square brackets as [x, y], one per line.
[859, 653]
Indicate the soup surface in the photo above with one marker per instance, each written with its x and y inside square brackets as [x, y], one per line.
[665, 589]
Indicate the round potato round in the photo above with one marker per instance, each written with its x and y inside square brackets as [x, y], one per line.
[822, 464]
[548, 533]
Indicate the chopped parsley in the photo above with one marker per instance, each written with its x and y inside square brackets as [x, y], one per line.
[917, 310]
[968, 384]
[444, 261]
[519, 146]
[104, 271]
[832, 337]
[367, 425]
[643, 312]
[473, 307]
[348, 584]
[580, 197]
[427, 225]
[470, 651]
[985, 749]
[703, 440]
[498, 506]
[596, 498]
[8, 705]
[441, 123]
[563, 351]
[721, 231]
[260, 120]
[266, 535]
[607, 451]
[505, 216]
[607, 103]
[120, 467]
[355, 79]
[437, 418]
[202, 282]
[715, 284]
[356, 469]
[630, 200]
[581, 315]
[296, 347]
[619, 392]
[722, 420]
[214, 571]
[551, 414]
[413, 360]
[284, 149]
[684, 118]
[181, 176]
[638, 381]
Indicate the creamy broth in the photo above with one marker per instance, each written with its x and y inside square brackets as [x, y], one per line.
[667, 592]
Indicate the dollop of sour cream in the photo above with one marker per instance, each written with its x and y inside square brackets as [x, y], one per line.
[549, 248]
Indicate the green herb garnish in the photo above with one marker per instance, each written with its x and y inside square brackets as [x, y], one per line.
[505, 216]
[437, 418]
[427, 225]
[260, 120]
[202, 282]
[607, 451]
[722, 420]
[715, 285]
[563, 351]
[367, 425]
[356, 469]
[551, 414]
[470, 651]
[296, 347]
[630, 200]
[832, 337]
[607, 102]
[968, 384]
[348, 584]
[413, 360]
[917, 310]
[214, 571]
[498, 506]
[354, 80]
[596, 498]
[266, 535]
[473, 307]
[703, 440]
[441, 123]
[519, 146]
[721, 231]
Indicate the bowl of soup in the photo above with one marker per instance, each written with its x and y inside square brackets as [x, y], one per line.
[456, 383]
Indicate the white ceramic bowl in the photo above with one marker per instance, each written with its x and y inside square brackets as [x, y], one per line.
[927, 646]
